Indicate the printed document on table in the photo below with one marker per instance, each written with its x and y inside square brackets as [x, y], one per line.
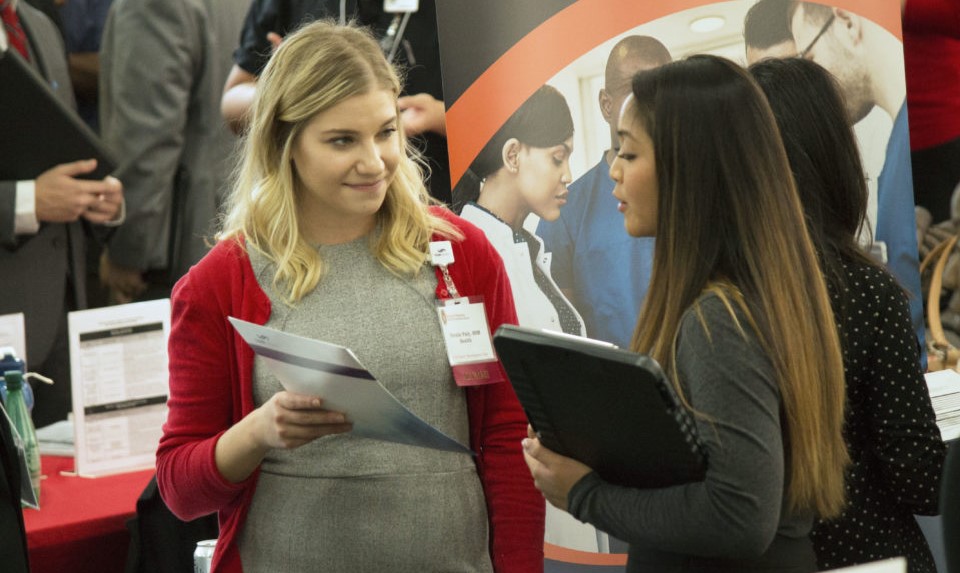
[118, 365]
[317, 368]
[56, 439]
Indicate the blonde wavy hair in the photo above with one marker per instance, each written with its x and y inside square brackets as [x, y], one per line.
[316, 68]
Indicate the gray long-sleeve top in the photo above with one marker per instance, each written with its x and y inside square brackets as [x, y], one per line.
[739, 508]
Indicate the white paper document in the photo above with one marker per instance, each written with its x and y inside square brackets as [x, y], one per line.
[56, 439]
[895, 565]
[943, 382]
[118, 363]
[944, 386]
[334, 373]
[13, 334]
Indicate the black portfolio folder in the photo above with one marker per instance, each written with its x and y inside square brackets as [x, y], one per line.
[37, 131]
[612, 409]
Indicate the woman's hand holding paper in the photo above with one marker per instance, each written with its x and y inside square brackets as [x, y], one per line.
[286, 420]
[289, 420]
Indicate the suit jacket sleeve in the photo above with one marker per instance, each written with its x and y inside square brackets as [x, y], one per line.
[152, 50]
[49, 58]
[8, 205]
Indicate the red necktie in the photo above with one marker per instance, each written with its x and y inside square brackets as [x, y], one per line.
[15, 34]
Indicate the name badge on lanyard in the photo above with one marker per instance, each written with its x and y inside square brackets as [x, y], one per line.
[463, 322]
[395, 6]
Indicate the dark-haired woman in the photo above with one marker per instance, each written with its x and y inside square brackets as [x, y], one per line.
[738, 315]
[891, 429]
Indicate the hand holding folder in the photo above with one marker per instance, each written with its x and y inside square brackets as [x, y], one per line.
[611, 409]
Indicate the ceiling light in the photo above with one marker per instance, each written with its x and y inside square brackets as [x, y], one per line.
[707, 24]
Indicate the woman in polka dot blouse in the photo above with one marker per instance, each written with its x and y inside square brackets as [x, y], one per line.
[891, 431]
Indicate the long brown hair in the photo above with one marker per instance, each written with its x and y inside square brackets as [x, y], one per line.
[808, 106]
[729, 221]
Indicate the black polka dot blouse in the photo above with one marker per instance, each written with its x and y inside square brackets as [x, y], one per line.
[891, 430]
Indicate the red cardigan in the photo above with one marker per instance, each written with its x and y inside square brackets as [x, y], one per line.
[211, 388]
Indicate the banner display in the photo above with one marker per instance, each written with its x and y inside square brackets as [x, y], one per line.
[533, 91]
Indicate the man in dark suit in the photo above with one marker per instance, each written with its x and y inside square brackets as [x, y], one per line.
[41, 232]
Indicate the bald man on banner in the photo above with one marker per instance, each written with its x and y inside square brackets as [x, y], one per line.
[603, 271]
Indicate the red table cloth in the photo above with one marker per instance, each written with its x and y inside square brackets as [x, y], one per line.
[81, 524]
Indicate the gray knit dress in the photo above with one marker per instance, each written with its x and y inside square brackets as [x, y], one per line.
[343, 503]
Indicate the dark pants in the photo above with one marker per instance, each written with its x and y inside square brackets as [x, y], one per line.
[52, 402]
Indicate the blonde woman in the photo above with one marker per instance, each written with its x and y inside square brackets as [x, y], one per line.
[327, 236]
[738, 314]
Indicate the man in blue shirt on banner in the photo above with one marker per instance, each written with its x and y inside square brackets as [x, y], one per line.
[868, 64]
[602, 270]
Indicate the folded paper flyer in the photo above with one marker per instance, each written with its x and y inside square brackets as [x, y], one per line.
[317, 368]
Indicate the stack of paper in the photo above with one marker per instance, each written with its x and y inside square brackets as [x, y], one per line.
[945, 394]
[56, 439]
[895, 565]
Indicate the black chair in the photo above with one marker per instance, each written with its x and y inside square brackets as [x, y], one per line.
[159, 541]
[950, 508]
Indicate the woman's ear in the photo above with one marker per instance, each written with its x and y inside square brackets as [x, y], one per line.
[511, 154]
